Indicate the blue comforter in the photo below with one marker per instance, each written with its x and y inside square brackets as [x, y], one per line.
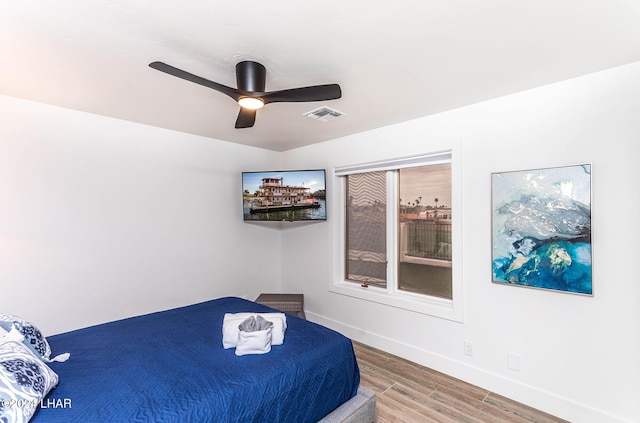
[170, 366]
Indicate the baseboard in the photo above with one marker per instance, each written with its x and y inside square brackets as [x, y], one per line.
[548, 402]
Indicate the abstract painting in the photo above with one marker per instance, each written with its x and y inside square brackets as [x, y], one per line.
[541, 228]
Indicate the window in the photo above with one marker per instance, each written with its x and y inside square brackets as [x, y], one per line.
[424, 230]
[397, 239]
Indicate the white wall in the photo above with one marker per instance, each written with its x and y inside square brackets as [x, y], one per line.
[579, 355]
[102, 219]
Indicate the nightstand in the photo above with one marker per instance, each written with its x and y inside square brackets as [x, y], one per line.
[289, 303]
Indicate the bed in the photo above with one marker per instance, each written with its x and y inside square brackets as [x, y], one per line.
[170, 366]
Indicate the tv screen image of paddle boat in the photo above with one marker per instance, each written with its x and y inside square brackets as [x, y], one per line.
[284, 195]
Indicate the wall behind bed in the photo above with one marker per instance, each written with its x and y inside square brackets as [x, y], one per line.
[579, 355]
[102, 218]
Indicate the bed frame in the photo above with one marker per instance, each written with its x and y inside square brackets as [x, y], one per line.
[359, 409]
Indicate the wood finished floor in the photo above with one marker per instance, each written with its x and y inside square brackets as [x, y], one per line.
[408, 392]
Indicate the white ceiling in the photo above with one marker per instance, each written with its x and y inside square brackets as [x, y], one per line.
[395, 60]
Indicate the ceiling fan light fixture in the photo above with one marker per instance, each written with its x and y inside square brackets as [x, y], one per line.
[251, 103]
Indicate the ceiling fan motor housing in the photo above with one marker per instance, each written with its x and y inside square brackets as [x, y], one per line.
[251, 76]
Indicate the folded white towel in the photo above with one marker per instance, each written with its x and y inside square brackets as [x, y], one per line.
[258, 342]
[254, 336]
[231, 322]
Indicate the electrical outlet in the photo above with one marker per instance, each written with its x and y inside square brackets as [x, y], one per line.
[513, 361]
[468, 348]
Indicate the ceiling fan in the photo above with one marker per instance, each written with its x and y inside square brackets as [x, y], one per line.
[251, 94]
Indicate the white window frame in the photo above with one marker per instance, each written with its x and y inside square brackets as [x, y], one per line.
[391, 296]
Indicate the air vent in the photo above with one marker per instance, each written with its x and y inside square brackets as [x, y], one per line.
[323, 114]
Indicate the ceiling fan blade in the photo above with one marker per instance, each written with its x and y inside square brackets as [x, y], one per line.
[313, 93]
[246, 118]
[163, 67]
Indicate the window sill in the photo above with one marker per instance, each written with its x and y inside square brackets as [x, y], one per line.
[431, 306]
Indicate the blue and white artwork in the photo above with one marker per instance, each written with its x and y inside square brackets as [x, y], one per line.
[541, 228]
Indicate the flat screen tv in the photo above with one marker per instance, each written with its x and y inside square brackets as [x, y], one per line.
[284, 195]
